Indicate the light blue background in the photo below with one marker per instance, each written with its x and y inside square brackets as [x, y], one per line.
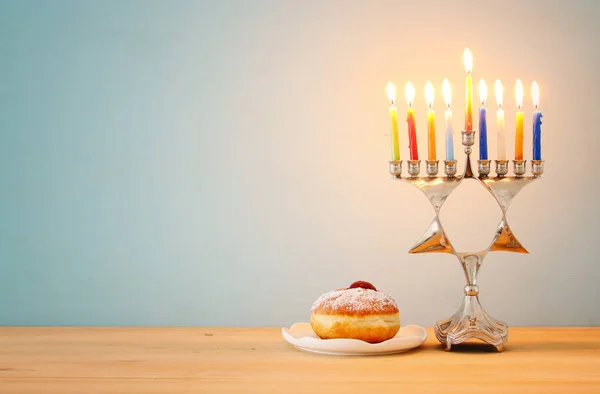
[225, 163]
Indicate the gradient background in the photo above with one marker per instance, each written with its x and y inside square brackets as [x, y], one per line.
[225, 163]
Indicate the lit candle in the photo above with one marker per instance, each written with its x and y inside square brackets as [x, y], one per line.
[483, 149]
[391, 92]
[537, 123]
[410, 119]
[468, 60]
[430, 122]
[500, 122]
[448, 120]
[519, 128]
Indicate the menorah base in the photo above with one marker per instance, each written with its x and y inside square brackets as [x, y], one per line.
[471, 322]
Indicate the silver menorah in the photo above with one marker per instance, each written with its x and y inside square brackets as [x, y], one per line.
[471, 321]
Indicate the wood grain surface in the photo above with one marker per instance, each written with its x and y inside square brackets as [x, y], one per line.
[258, 360]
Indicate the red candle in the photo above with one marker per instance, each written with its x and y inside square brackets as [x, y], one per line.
[410, 119]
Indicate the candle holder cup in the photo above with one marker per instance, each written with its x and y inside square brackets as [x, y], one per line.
[396, 168]
[471, 321]
[537, 167]
[414, 168]
[432, 167]
[468, 139]
[501, 167]
[450, 167]
[483, 168]
[520, 167]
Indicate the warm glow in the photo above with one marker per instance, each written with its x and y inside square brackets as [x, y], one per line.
[391, 92]
[535, 94]
[468, 60]
[519, 94]
[482, 92]
[447, 92]
[410, 93]
[499, 93]
[429, 94]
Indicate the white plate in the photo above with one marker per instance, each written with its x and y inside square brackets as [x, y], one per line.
[302, 336]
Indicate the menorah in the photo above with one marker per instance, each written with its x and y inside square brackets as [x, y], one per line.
[471, 321]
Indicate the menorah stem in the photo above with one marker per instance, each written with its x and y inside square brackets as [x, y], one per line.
[471, 264]
[468, 168]
[468, 139]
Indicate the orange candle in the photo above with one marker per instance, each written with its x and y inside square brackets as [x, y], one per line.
[519, 123]
[468, 60]
[430, 122]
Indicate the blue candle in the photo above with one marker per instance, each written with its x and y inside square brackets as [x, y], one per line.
[537, 123]
[449, 135]
[483, 149]
[448, 120]
[537, 135]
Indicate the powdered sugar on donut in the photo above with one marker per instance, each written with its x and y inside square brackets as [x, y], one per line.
[356, 301]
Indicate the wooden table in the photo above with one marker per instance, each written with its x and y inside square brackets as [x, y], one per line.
[257, 360]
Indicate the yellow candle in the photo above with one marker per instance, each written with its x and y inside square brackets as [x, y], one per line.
[430, 122]
[391, 91]
[519, 128]
[468, 60]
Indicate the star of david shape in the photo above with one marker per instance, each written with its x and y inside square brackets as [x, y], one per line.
[438, 189]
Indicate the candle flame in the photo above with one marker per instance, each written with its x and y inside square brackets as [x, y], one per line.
[429, 94]
[535, 94]
[447, 92]
[519, 94]
[410, 93]
[499, 93]
[482, 92]
[391, 92]
[468, 60]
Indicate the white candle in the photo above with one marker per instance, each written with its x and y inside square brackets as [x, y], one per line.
[501, 135]
[448, 120]
[501, 143]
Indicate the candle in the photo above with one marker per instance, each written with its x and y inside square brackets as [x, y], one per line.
[430, 122]
[483, 149]
[410, 119]
[537, 123]
[468, 60]
[500, 122]
[391, 91]
[448, 120]
[519, 122]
